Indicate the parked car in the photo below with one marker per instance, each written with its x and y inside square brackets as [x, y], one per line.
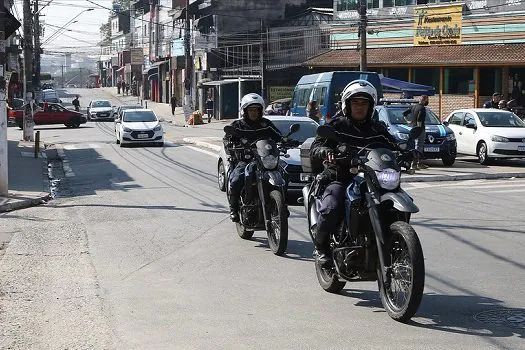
[293, 171]
[326, 89]
[440, 140]
[488, 133]
[100, 109]
[138, 126]
[53, 113]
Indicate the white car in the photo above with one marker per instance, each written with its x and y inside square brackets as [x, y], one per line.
[138, 126]
[488, 133]
[100, 109]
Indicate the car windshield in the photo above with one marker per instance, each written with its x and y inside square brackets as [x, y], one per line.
[395, 116]
[500, 119]
[308, 129]
[125, 108]
[101, 104]
[139, 116]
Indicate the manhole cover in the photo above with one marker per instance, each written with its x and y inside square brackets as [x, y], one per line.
[514, 318]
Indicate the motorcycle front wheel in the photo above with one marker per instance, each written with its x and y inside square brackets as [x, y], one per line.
[401, 298]
[242, 232]
[278, 233]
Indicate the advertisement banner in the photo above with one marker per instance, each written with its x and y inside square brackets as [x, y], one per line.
[278, 92]
[438, 25]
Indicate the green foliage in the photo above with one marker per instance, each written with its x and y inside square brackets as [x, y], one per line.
[105, 34]
[124, 4]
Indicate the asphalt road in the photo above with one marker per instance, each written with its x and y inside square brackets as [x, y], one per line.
[139, 253]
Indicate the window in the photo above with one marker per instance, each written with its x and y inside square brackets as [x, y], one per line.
[456, 118]
[304, 96]
[469, 119]
[372, 4]
[397, 73]
[319, 95]
[347, 5]
[489, 81]
[427, 76]
[458, 81]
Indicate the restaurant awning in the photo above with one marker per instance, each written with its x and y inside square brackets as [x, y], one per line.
[453, 55]
[410, 89]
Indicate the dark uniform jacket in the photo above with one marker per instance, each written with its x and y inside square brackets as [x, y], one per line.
[366, 133]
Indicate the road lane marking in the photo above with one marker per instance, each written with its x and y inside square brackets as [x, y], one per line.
[213, 154]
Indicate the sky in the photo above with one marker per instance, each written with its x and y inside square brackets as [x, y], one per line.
[81, 36]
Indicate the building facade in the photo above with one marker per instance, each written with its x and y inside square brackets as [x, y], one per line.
[466, 51]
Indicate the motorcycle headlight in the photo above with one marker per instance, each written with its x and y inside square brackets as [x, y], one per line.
[389, 179]
[270, 161]
[158, 127]
[401, 136]
[497, 138]
[126, 129]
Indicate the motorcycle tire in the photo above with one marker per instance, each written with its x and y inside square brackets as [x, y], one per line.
[242, 232]
[278, 235]
[405, 249]
[328, 279]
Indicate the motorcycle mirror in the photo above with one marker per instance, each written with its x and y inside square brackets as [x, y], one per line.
[229, 130]
[326, 131]
[294, 128]
[403, 146]
[415, 132]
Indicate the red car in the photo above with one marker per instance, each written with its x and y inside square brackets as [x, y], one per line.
[51, 113]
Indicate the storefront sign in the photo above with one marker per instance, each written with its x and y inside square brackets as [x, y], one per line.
[437, 25]
[137, 56]
[278, 92]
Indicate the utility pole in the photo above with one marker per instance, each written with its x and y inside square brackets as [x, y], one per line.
[28, 72]
[189, 66]
[80, 77]
[62, 66]
[3, 110]
[261, 59]
[37, 45]
[362, 35]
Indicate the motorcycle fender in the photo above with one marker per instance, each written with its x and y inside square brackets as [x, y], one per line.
[275, 178]
[401, 200]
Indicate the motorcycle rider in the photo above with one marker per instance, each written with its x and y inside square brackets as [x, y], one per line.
[252, 108]
[358, 100]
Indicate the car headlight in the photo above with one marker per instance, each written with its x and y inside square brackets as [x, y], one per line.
[270, 161]
[158, 127]
[497, 138]
[126, 129]
[389, 179]
[451, 137]
[401, 136]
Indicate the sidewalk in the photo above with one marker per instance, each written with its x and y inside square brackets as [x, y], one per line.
[163, 111]
[28, 181]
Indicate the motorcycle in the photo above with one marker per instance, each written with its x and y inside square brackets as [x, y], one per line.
[265, 210]
[374, 240]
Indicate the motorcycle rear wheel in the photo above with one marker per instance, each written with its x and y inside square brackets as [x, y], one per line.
[278, 233]
[402, 298]
[328, 279]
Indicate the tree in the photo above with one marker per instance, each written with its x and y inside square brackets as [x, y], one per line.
[124, 4]
[105, 34]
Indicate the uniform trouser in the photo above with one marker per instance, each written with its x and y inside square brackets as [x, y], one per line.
[420, 146]
[331, 212]
[236, 183]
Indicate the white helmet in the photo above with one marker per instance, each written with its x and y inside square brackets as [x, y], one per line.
[359, 89]
[251, 99]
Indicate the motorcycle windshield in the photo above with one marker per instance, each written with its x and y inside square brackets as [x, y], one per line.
[266, 148]
[381, 158]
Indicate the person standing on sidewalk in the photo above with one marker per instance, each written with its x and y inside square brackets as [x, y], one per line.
[76, 103]
[419, 114]
[119, 83]
[173, 103]
[209, 109]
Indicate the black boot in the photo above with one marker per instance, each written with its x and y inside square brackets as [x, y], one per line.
[234, 210]
[322, 252]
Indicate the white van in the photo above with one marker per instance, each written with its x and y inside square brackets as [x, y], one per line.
[50, 95]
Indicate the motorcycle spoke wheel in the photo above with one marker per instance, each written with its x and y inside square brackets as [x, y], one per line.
[278, 230]
[402, 296]
[328, 279]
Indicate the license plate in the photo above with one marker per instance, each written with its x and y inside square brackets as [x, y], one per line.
[431, 149]
[103, 115]
[305, 177]
[521, 148]
[142, 136]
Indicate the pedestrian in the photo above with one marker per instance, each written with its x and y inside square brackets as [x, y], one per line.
[127, 88]
[419, 114]
[209, 109]
[313, 112]
[173, 103]
[496, 97]
[76, 103]
[503, 105]
[119, 84]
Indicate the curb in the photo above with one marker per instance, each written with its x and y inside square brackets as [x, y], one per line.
[16, 204]
[440, 178]
[197, 142]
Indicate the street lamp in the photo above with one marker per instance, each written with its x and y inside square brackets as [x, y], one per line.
[61, 29]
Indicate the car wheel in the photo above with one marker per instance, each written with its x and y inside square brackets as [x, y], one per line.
[76, 125]
[483, 153]
[221, 177]
[448, 160]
